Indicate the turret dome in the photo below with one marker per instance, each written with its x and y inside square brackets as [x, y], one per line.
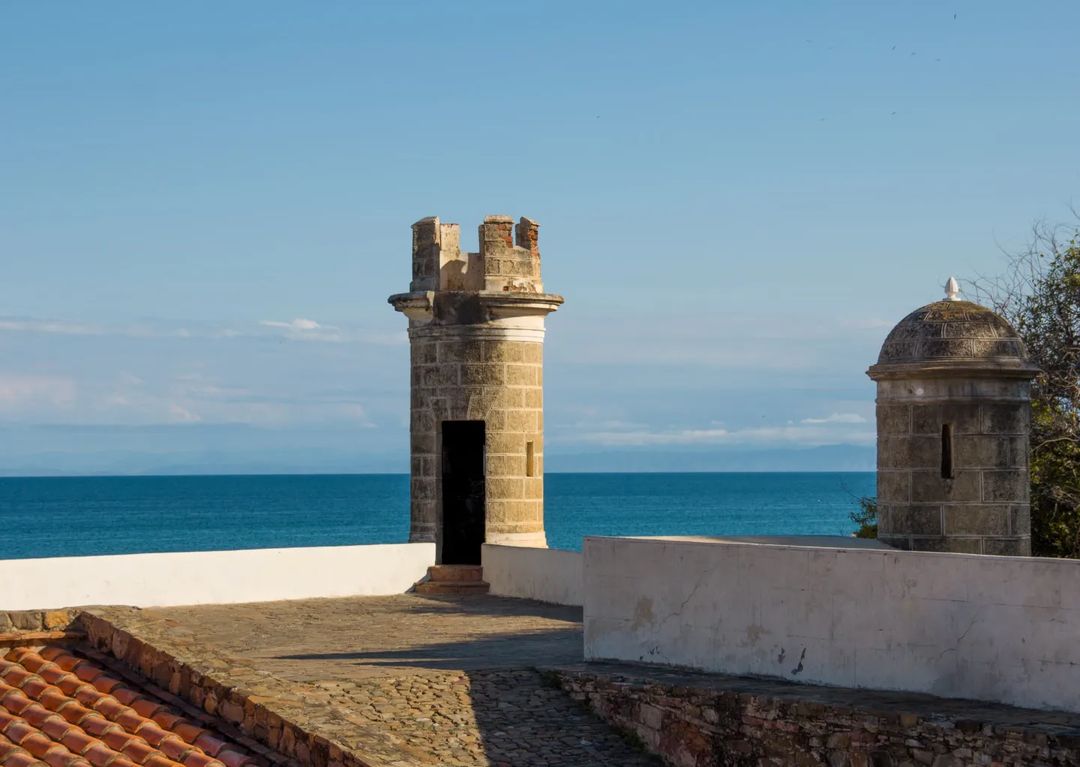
[952, 331]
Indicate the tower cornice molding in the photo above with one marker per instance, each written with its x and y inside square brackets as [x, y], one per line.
[973, 369]
[420, 305]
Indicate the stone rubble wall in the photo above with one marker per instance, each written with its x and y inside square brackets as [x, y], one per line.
[35, 620]
[701, 726]
[247, 699]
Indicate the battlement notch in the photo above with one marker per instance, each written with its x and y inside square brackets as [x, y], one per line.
[435, 245]
[511, 259]
[508, 259]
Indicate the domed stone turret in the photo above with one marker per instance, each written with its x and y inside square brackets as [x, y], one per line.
[953, 422]
[952, 331]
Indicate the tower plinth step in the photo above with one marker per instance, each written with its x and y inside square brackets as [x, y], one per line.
[453, 579]
[455, 573]
[433, 587]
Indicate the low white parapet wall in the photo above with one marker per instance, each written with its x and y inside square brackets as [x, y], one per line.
[547, 575]
[989, 628]
[212, 577]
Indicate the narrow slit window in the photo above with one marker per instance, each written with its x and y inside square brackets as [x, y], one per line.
[530, 459]
[946, 451]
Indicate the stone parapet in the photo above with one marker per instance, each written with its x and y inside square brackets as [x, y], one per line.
[698, 720]
[302, 727]
[35, 620]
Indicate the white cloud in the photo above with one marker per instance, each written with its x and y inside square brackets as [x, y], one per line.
[65, 328]
[836, 418]
[797, 435]
[20, 393]
[194, 397]
[50, 326]
[303, 329]
[180, 414]
[300, 323]
[297, 329]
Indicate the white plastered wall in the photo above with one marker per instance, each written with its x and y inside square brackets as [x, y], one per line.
[212, 577]
[547, 575]
[956, 625]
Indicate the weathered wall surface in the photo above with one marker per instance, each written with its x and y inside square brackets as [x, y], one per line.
[547, 575]
[955, 625]
[698, 722]
[212, 577]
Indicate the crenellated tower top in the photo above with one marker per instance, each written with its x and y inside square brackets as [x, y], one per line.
[508, 260]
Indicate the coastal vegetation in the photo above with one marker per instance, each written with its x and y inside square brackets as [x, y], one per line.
[1039, 294]
[865, 517]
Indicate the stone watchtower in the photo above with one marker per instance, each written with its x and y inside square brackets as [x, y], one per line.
[953, 423]
[476, 333]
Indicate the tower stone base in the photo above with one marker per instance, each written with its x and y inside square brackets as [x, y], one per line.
[953, 465]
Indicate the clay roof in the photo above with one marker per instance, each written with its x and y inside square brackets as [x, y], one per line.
[947, 331]
[60, 708]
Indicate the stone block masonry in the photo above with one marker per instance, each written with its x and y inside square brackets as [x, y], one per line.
[499, 382]
[953, 466]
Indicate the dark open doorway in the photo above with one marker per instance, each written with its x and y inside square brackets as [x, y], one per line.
[462, 492]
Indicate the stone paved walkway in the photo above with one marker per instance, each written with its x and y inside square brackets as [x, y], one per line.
[451, 681]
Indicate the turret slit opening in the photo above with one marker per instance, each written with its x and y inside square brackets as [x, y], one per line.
[946, 451]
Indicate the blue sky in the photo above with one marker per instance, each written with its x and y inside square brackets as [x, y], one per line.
[204, 206]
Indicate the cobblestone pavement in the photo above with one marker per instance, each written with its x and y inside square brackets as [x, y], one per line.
[448, 680]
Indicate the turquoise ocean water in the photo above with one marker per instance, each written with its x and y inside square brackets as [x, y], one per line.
[67, 516]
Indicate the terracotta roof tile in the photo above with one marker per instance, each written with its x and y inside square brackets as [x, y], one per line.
[172, 722]
[125, 695]
[58, 709]
[198, 759]
[189, 732]
[209, 743]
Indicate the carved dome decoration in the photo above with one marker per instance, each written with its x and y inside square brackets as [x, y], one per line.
[953, 331]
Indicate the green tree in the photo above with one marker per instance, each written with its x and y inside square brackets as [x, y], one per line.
[1040, 295]
[865, 517]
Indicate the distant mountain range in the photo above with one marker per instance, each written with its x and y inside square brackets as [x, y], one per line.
[282, 461]
[825, 458]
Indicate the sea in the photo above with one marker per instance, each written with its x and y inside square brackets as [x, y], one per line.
[74, 516]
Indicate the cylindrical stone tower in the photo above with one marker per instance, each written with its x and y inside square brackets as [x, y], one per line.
[953, 423]
[476, 332]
